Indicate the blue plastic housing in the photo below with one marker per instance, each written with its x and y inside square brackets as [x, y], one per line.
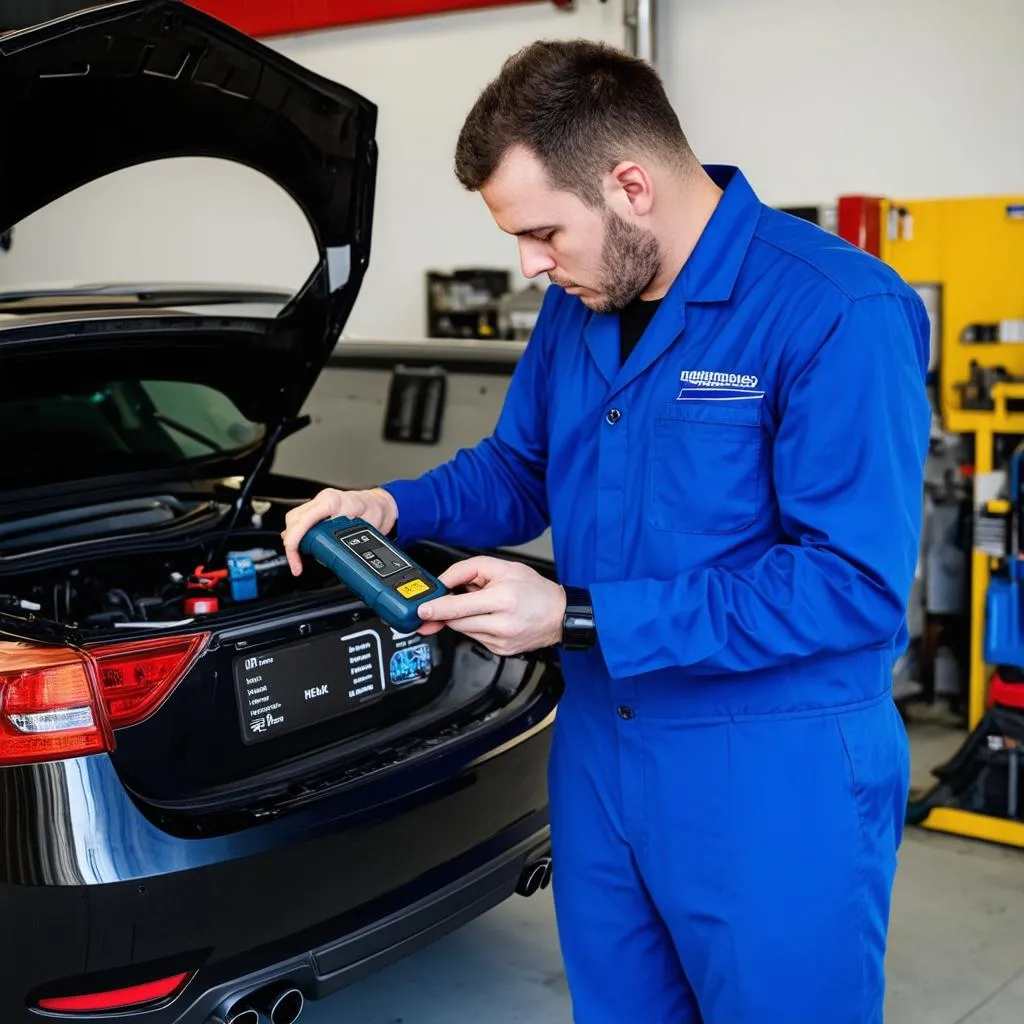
[322, 543]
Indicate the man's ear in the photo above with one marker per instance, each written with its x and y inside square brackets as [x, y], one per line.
[631, 189]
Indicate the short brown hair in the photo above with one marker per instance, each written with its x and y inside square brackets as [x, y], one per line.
[580, 106]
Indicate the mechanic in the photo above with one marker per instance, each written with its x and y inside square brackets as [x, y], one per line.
[722, 416]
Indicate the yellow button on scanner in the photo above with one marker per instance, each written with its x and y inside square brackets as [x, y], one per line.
[413, 588]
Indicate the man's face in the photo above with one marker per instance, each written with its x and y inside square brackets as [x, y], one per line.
[593, 253]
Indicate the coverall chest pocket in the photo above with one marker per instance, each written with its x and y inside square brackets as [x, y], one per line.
[704, 471]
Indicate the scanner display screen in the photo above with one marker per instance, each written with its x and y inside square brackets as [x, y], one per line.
[381, 558]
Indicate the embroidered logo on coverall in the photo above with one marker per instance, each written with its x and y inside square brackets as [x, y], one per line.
[704, 385]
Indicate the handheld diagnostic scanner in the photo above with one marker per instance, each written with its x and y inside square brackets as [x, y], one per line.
[386, 579]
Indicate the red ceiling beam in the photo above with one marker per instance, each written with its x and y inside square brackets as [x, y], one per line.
[279, 17]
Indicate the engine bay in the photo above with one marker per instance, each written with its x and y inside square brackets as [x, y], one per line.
[154, 561]
[159, 588]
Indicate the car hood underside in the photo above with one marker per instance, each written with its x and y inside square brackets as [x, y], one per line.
[112, 87]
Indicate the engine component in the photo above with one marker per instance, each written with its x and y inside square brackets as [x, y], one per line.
[246, 567]
[157, 588]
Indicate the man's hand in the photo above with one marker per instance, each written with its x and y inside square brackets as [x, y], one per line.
[376, 506]
[509, 608]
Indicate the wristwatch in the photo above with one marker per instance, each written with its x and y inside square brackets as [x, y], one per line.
[579, 632]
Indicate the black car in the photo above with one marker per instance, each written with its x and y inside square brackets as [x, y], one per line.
[223, 789]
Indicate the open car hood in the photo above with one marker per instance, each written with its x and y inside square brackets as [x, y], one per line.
[127, 83]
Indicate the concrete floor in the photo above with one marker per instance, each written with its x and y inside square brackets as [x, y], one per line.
[956, 944]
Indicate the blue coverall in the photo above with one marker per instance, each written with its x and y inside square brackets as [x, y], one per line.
[743, 498]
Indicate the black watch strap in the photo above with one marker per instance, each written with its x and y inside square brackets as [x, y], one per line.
[579, 631]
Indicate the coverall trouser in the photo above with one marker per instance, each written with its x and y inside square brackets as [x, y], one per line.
[726, 872]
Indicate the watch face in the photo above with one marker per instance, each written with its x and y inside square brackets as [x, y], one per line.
[578, 632]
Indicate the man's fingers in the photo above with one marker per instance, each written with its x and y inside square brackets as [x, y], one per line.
[302, 520]
[461, 606]
[291, 536]
[482, 627]
[298, 521]
[294, 532]
[472, 570]
[460, 574]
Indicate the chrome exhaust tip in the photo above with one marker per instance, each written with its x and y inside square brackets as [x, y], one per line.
[548, 869]
[535, 876]
[239, 1013]
[286, 1007]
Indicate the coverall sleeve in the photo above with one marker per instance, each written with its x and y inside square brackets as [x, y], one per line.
[493, 494]
[848, 477]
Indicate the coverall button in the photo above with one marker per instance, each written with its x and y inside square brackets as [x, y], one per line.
[613, 416]
[625, 711]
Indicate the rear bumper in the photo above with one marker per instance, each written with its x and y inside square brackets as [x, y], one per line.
[325, 970]
[319, 900]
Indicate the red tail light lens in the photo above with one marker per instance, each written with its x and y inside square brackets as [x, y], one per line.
[137, 677]
[62, 702]
[116, 999]
[47, 705]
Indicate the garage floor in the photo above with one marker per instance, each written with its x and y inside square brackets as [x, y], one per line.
[956, 944]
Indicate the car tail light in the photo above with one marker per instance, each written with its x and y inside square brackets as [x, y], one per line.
[65, 702]
[48, 705]
[116, 999]
[137, 677]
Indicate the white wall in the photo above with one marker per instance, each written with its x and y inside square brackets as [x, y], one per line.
[813, 98]
[200, 220]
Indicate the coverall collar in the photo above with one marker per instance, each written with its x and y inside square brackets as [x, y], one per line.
[710, 273]
[708, 276]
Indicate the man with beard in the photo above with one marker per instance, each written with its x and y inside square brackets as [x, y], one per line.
[722, 416]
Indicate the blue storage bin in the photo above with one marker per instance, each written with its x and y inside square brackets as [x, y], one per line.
[1004, 628]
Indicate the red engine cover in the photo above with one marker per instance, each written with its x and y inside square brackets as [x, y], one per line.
[277, 17]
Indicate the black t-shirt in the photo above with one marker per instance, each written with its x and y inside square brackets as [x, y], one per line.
[633, 321]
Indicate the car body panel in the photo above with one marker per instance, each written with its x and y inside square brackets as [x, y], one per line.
[325, 861]
[187, 85]
[82, 828]
[313, 900]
